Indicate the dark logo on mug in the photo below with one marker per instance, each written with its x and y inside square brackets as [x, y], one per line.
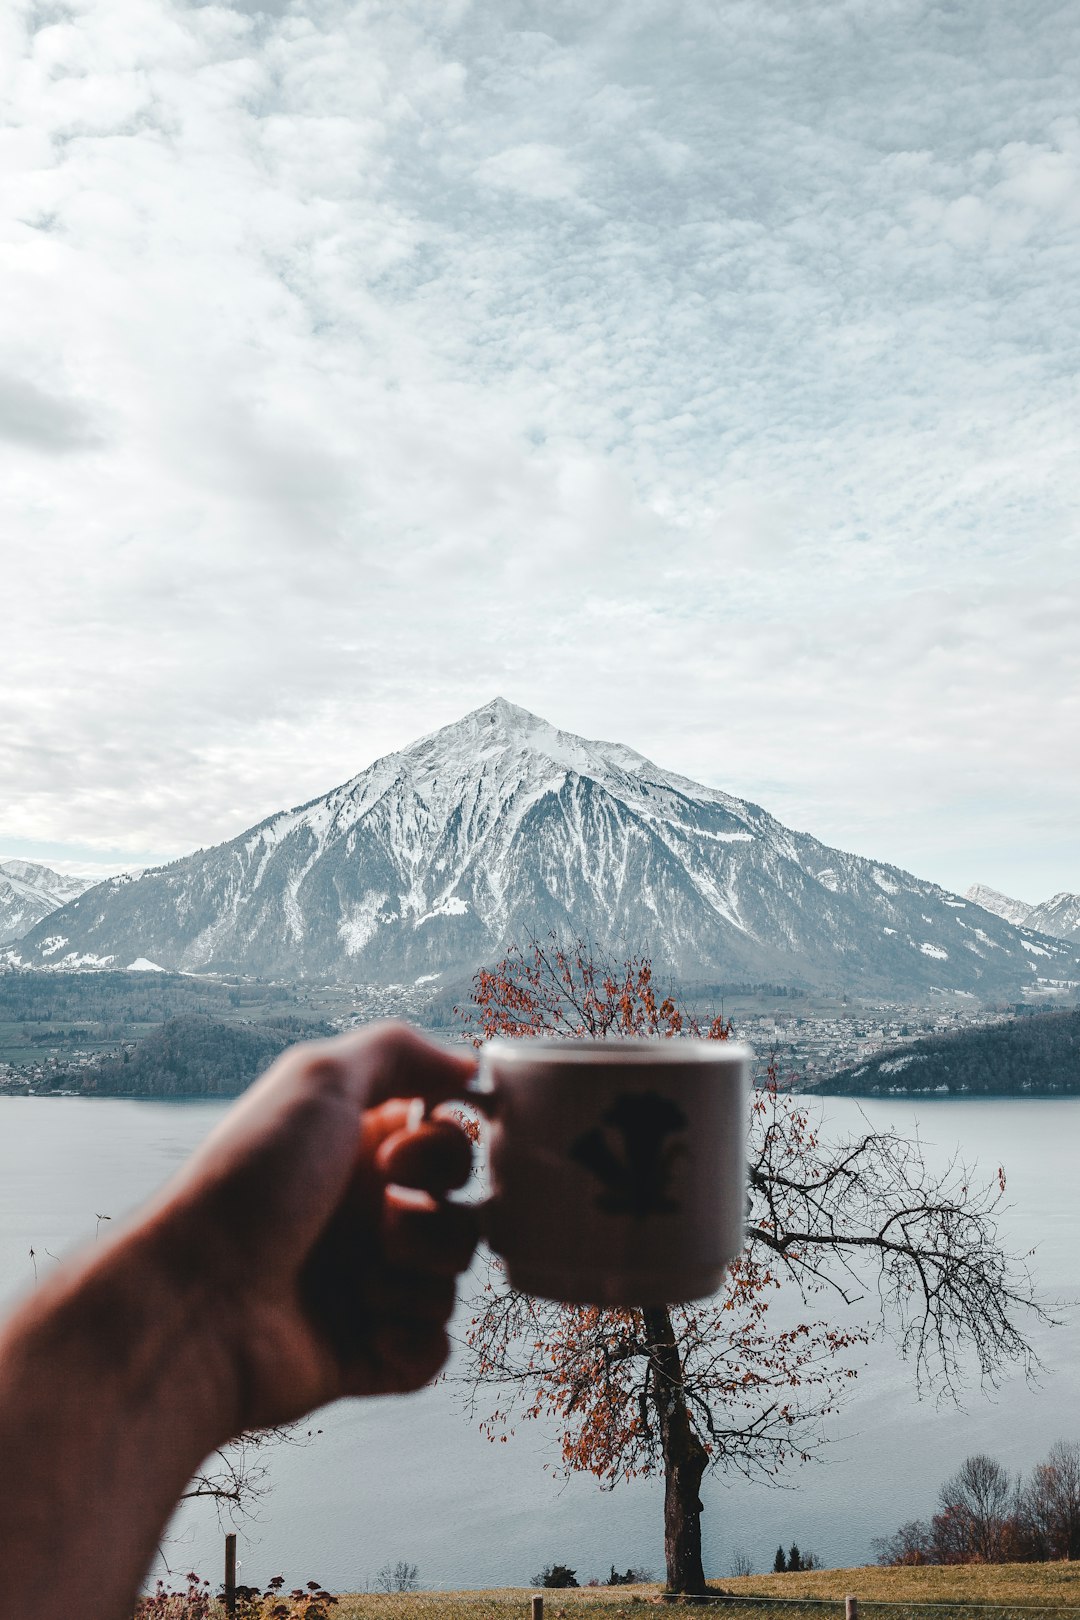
[637, 1178]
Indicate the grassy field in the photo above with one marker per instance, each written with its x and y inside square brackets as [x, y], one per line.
[964, 1585]
[1042, 1585]
[971, 1592]
[1022, 1590]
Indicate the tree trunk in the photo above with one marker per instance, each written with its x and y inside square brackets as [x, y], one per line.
[685, 1458]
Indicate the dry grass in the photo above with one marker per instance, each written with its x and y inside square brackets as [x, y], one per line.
[1041, 1585]
[1013, 1586]
[1019, 1590]
[508, 1603]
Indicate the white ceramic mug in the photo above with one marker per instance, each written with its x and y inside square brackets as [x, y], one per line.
[618, 1168]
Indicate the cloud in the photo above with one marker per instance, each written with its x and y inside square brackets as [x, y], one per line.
[30, 416]
[700, 376]
[534, 169]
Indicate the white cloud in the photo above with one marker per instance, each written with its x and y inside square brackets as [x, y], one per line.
[699, 376]
[534, 169]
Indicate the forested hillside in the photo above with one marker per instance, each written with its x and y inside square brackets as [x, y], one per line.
[48, 1001]
[152, 1034]
[1023, 1057]
[188, 1057]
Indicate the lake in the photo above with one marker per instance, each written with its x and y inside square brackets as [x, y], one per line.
[409, 1477]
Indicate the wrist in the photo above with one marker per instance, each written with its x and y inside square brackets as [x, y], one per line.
[121, 1328]
[110, 1398]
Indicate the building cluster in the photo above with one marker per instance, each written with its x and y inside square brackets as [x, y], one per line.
[38, 1074]
[807, 1048]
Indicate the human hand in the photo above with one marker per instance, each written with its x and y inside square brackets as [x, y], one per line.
[278, 1270]
[310, 1276]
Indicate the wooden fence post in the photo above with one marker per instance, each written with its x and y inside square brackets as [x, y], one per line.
[851, 1608]
[537, 1607]
[230, 1574]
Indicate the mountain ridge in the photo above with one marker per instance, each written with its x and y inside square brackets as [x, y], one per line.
[1059, 917]
[29, 892]
[436, 856]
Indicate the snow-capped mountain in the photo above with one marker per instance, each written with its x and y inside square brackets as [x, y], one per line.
[1014, 911]
[1059, 916]
[499, 826]
[29, 892]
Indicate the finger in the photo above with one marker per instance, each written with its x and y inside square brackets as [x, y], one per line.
[436, 1156]
[441, 1239]
[379, 1125]
[387, 1060]
[359, 1207]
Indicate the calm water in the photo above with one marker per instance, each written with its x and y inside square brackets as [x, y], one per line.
[410, 1478]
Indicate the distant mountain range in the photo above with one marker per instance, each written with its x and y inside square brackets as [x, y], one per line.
[29, 892]
[432, 859]
[1059, 916]
[1035, 1056]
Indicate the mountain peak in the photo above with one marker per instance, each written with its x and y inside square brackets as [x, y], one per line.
[1001, 905]
[504, 728]
[1059, 916]
[29, 871]
[500, 711]
[29, 891]
[499, 719]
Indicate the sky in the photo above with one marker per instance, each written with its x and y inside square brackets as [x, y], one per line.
[698, 375]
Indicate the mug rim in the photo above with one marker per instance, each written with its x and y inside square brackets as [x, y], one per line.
[638, 1049]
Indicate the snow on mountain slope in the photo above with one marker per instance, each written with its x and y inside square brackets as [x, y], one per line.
[1014, 911]
[500, 825]
[29, 892]
[1059, 916]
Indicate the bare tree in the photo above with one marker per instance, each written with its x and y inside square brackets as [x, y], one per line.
[716, 1385]
[236, 1477]
[911, 1544]
[1050, 1503]
[975, 1508]
[399, 1577]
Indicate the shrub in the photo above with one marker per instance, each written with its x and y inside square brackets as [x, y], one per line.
[310, 1602]
[399, 1577]
[635, 1576]
[556, 1575]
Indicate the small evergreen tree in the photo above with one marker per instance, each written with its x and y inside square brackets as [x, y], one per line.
[779, 1562]
[794, 1557]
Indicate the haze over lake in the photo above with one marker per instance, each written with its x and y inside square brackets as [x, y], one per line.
[411, 1478]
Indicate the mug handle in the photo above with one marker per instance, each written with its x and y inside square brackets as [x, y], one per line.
[477, 1095]
[481, 1096]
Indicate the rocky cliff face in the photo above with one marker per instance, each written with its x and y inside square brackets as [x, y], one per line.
[499, 826]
